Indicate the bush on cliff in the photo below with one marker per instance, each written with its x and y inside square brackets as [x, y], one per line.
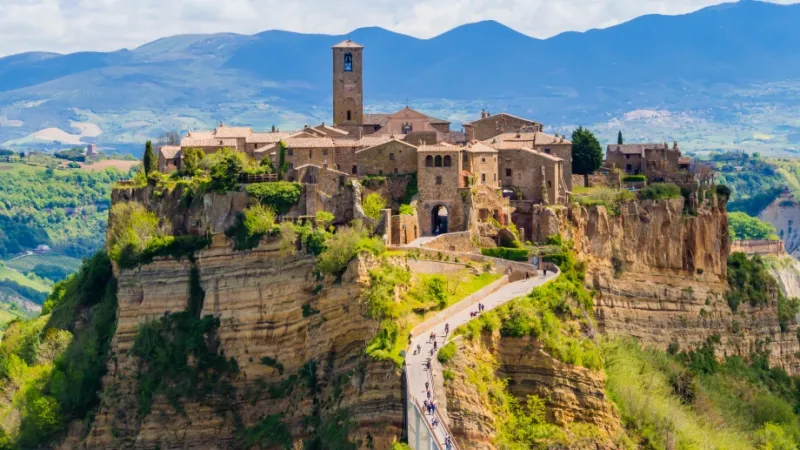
[373, 204]
[279, 195]
[749, 281]
[660, 191]
[251, 226]
[743, 226]
[226, 167]
[342, 246]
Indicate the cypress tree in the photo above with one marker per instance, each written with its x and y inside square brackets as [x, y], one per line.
[619, 138]
[149, 159]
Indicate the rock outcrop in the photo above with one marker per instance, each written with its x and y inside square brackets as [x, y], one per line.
[259, 297]
[573, 395]
[660, 275]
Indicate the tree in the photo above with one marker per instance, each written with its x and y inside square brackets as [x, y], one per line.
[191, 161]
[373, 205]
[587, 155]
[149, 159]
[619, 138]
[282, 165]
[171, 137]
[743, 226]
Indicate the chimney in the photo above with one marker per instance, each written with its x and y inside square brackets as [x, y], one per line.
[273, 128]
[675, 145]
[305, 126]
[483, 114]
[488, 114]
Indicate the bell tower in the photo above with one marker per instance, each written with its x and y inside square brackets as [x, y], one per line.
[348, 84]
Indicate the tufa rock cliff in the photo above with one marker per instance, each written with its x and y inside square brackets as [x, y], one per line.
[259, 297]
[660, 275]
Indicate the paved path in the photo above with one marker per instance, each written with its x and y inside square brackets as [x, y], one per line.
[417, 373]
[418, 242]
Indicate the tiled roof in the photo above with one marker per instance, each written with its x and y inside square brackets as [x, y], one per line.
[169, 151]
[442, 147]
[634, 149]
[268, 138]
[224, 131]
[684, 160]
[208, 142]
[308, 142]
[454, 137]
[376, 119]
[500, 115]
[477, 147]
[382, 143]
[348, 44]
[200, 134]
[265, 148]
[331, 130]
[512, 141]
[541, 154]
[366, 141]
[435, 120]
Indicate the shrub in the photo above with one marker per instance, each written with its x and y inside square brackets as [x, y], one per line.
[269, 432]
[511, 254]
[344, 245]
[178, 247]
[749, 281]
[259, 220]
[743, 226]
[323, 218]
[723, 191]
[447, 353]
[226, 167]
[279, 195]
[634, 178]
[131, 228]
[406, 210]
[660, 191]
[373, 205]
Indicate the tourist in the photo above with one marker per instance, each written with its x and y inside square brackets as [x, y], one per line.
[545, 271]
[427, 385]
[527, 275]
[434, 345]
[410, 335]
[428, 393]
[419, 348]
[435, 422]
[446, 328]
[427, 406]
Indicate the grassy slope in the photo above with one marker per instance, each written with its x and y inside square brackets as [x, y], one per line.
[7, 273]
[27, 263]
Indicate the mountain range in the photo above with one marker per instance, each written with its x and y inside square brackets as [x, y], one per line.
[718, 65]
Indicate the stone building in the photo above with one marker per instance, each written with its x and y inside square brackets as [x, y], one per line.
[389, 158]
[169, 158]
[652, 160]
[348, 86]
[533, 176]
[440, 208]
[545, 143]
[480, 160]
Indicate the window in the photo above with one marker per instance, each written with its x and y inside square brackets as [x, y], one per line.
[549, 185]
[380, 172]
[324, 152]
[448, 162]
[349, 115]
[628, 167]
[437, 162]
[547, 150]
[429, 161]
[508, 172]
[395, 170]
[290, 166]
[483, 160]
[290, 152]
[627, 156]
[438, 179]
[483, 178]
[348, 62]
[309, 154]
[355, 170]
[391, 156]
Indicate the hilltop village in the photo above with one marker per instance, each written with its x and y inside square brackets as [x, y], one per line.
[510, 160]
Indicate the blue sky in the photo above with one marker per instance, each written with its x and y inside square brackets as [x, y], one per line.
[73, 25]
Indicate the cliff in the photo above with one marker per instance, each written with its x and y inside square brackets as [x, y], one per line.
[259, 297]
[660, 275]
[574, 396]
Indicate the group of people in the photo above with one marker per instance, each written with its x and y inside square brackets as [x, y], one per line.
[481, 308]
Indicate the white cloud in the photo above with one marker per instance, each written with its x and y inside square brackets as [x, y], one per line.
[73, 25]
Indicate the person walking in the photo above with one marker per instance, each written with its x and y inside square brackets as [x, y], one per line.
[427, 385]
[446, 328]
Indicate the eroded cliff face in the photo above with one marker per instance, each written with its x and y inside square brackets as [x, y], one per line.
[574, 396]
[258, 296]
[661, 275]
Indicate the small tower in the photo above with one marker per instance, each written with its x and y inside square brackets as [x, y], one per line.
[348, 84]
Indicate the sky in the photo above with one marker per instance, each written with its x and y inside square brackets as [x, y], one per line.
[65, 26]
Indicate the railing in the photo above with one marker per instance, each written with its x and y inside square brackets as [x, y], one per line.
[257, 178]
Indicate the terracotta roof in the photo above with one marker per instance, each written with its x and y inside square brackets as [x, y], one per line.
[308, 142]
[208, 142]
[331, 130]
[541, 154]
[224, 131]
[265, 148]
[684, 160]
[500, 115]
[454, 137]
[376, 119]
[169, 151]
[382, 143]
[441, 147]
[366, 141]
[200, 134]
[513, 141]
[435, 120]
[478, 147]
[269, 137]
[634, 149]
[348, 44]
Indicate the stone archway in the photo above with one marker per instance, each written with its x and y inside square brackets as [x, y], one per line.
[439, 220]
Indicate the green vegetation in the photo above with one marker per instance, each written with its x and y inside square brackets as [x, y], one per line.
[280, 196]
[511, 254]
[744, 227]
[373, 205]
[750, 281]
[64, 209]
[634, 178]
[611, 199]
[406, 210]
[411, 189]
[344, 245]
[50, 373]
[252, 225]
[690, 400]
[269, 432]
[149, 160]
[447, 353]
[549, 314]
[587, 154]
[660, 191]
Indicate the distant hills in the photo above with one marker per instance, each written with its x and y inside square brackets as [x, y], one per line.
[704, 65]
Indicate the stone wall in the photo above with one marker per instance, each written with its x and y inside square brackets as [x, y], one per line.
[258, 296]
[392, 157]
[452, 242]
[405, 229]
[759, 247]
[495, 125]
[563, 151]
[527, 171]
